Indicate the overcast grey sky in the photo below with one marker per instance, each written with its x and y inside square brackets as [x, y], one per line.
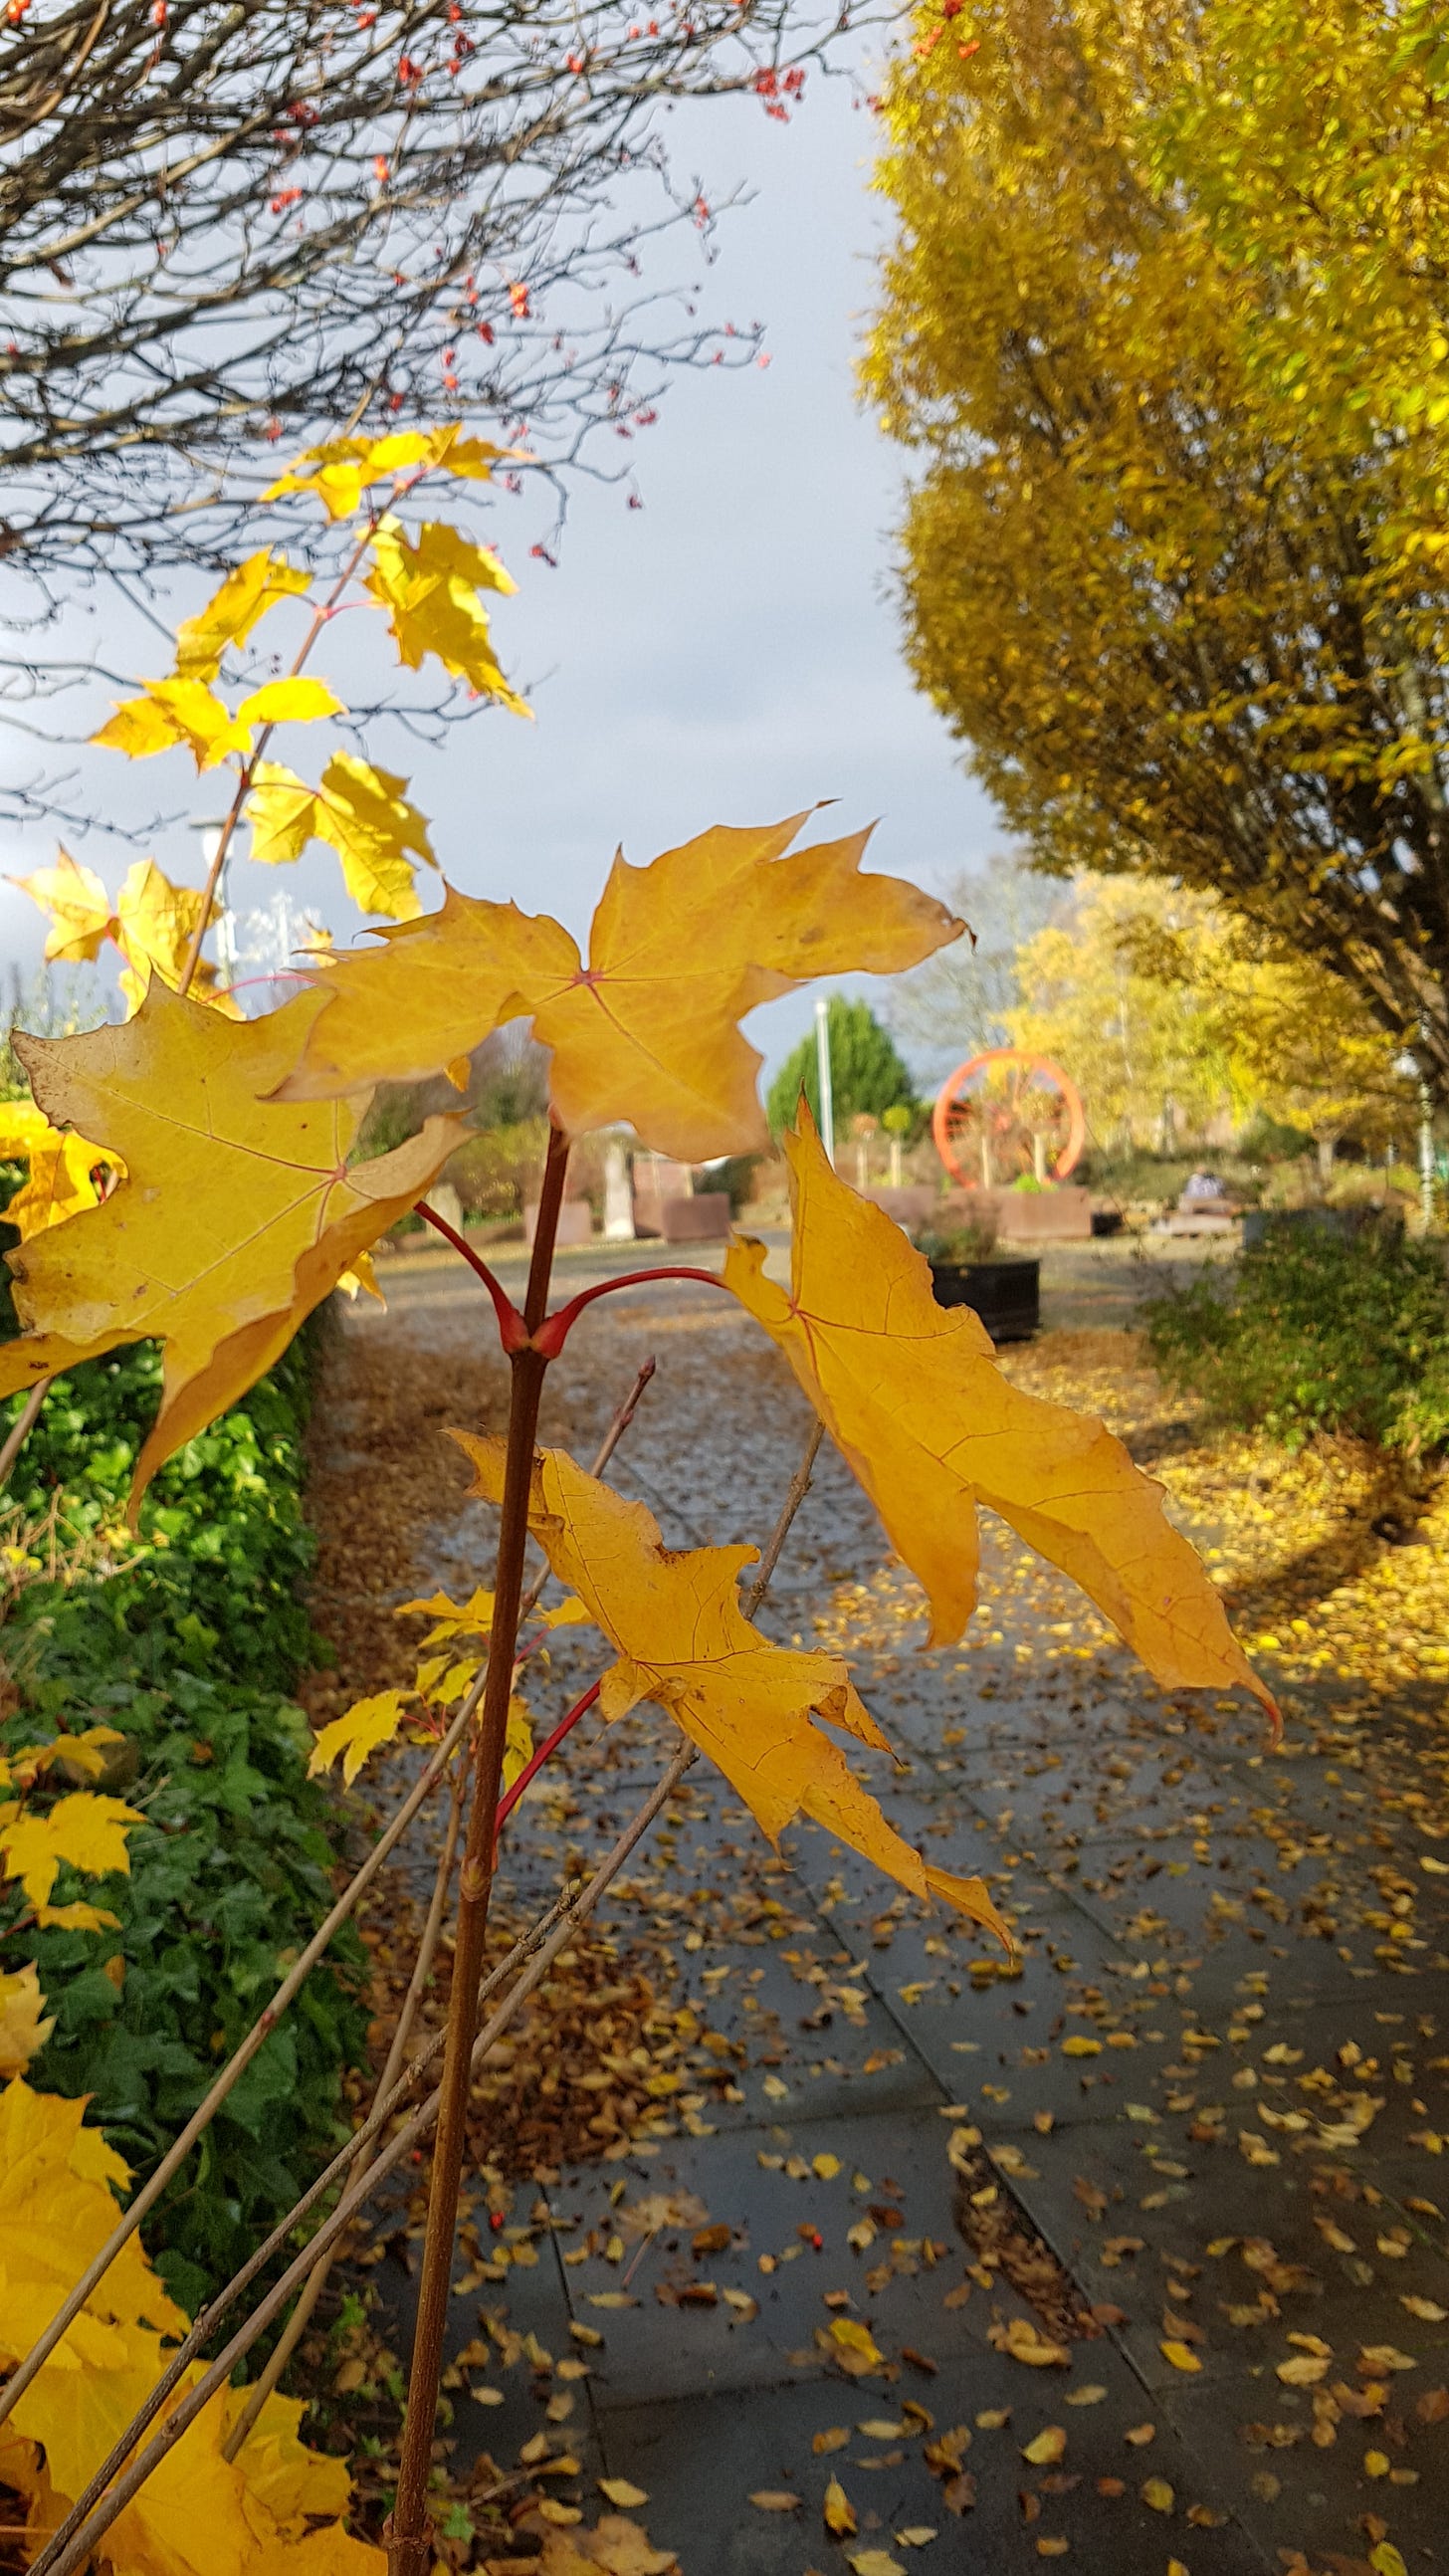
[726, 653]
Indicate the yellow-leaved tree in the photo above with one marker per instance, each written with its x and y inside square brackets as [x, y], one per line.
[234, 1208]
[1165, 328]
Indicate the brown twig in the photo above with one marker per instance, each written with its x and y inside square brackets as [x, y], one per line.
[22, 1426]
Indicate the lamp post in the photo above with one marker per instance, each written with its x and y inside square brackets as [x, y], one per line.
[211, 832]
[827, 1096]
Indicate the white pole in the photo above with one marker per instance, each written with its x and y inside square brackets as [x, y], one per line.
[827, 1096]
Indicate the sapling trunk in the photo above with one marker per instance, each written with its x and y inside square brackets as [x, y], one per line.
[409, 2542]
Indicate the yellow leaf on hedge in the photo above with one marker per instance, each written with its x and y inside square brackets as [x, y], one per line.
[279, 2470]
[85, 1830]
[79, 909]
[913, 1398]
[58, 2181]
[682, 1639]
[430, 588]
[172, 713]
[76, 1918]
[249, 590]
[648, 1033]
[358, 1732]
[235, 1219]
[58, 1183]
[22, 2031]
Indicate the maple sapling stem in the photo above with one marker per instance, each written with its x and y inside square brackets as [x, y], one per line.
[550, 1336]
[408, 2538]
[512, 1331]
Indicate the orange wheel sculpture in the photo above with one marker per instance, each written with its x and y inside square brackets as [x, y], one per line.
[990, 1113]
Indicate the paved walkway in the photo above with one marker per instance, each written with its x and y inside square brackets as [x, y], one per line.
[1190, 2145]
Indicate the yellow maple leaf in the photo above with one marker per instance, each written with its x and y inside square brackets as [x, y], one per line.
[360, 812]
[22, 2032]
[154, 928]
[682, 1639]
[913, 1398]
[430, 588]
[78, 1917]
[648, 1032]
[85, 1830]
[171, 713]
[358, 1732]
[249, 590]
[79, 909]
[58, 2181]
[329, 2552]
[344, 468]
[279, 2470]
[236, 1217]
[58, 1183]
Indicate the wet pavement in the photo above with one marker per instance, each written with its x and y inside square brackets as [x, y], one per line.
[1199, 2120]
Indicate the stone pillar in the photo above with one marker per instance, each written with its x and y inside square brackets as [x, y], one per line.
[618, 1196]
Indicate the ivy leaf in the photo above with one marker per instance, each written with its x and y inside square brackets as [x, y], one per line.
[344, 468]
[249, 590]
[79, 909]
[236, 1218]
[85, 1830]
[429, 586]
[648, 1033]
[23, 2034]
[913, 1398]
[676, 1624]
[360, 812]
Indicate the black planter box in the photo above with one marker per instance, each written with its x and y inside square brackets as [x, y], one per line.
[1005, 1294]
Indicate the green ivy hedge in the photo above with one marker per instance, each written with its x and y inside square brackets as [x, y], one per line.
[189, 1647]
[1309, 1332]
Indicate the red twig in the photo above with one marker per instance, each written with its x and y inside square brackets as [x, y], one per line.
[552, 1335]
[541, 1753]
[512, 1330]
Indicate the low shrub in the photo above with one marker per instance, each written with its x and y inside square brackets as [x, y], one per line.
[1308, 1332]
[187, 1643]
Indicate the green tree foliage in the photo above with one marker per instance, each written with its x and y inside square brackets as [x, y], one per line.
[867, 1074]
[1166, 323]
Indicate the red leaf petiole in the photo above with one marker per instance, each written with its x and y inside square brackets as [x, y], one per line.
[554, 1331]
[512, 1330]
[541, 1753]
